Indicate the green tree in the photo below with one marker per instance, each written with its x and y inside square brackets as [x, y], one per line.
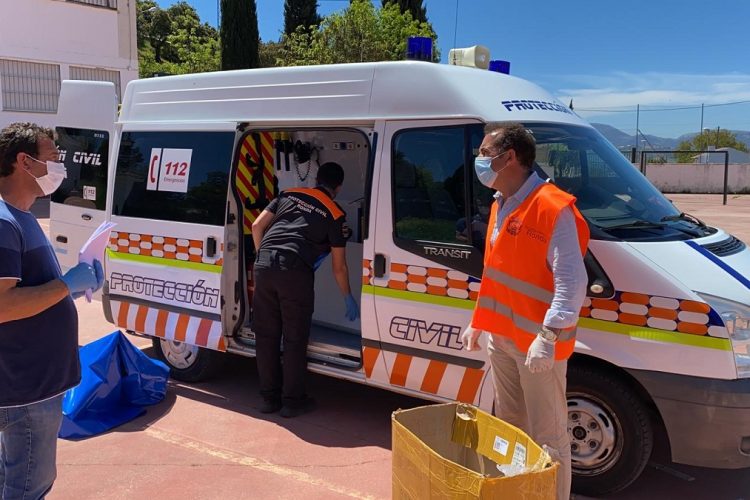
[239, 35]
[701, 142]
[269, 53]
[414, 7]
[300, 13]
[361, 33]
[174, 41]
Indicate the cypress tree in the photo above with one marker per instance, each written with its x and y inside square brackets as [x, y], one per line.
[239, 35]
[300, 13]
[418, 12]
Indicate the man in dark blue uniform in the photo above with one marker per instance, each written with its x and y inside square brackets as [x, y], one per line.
[38, 320]
[291, 235]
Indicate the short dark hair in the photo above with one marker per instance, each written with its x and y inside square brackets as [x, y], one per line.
[330, 175]
[20, 138]
[516, 137]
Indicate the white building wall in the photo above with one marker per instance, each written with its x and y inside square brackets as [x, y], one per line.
[67, 33]
[696, 178]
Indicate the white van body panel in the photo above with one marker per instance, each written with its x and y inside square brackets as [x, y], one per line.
[696, 271]
[655, 327]
[89, 106]
[341, 93]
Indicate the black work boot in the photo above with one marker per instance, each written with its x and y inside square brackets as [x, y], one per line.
[270, 405]
[298, 408]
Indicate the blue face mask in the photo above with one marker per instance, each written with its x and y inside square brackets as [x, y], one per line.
[483, 169]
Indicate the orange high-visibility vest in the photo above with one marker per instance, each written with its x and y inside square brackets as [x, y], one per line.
[517, 284]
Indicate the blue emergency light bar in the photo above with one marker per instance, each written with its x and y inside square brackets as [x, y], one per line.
[500, 66]
[419, 48]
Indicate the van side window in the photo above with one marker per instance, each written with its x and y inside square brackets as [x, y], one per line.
[85, 154]
[173, 176]
[435, 215]
[428, 185]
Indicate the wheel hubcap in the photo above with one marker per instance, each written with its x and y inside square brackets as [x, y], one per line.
[595, 435]
[179, 354]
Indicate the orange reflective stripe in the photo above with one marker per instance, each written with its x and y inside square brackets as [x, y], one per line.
[325, 200]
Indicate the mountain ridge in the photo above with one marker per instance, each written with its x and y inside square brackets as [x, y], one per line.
[621, 140]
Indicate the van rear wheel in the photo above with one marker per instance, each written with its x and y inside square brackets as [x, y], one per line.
[187, 363]
[610, 429]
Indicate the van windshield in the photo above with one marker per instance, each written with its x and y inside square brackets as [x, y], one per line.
[616, 199]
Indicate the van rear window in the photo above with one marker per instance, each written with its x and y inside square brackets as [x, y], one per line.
[173, 176]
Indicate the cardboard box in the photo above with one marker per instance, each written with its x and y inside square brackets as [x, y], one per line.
[453, 451]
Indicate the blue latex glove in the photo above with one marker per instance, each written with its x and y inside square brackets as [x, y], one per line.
[81, 278]
[352, 309]
[99, 281]
[320, 260]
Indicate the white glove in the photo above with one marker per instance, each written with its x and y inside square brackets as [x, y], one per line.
[541, 355]
[469, 338]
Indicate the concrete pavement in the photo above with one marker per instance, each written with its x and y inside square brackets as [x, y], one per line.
[209, 441]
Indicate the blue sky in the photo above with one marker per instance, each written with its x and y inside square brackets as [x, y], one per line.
[604, 54]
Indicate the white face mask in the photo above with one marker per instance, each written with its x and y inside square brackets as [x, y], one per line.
[49, 183]
[483, 169]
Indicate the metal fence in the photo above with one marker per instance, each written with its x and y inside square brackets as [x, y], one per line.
[644, 164]
[29, 86]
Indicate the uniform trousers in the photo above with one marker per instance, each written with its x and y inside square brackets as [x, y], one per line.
[283, 304]
[534, 402]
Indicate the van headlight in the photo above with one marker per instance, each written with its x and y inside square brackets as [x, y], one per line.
[736, 318]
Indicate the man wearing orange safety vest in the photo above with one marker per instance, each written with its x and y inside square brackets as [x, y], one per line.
[533, 287]
[291, 237]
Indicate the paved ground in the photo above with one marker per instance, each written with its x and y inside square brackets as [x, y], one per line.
[209, 441]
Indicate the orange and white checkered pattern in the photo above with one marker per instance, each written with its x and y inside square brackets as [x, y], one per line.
[165, 324]
[164, 247]
[429, 280]
[424, 375]
[661, 313]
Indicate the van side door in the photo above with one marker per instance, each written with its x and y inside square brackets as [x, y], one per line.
[165, 258]
[86, 120]
[429, 240]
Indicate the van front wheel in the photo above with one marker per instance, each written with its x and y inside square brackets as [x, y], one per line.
[187, 363]
[610, 429]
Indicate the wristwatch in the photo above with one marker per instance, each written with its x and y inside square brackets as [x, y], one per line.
[548, 333]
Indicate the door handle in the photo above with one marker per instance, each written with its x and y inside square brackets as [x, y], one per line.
[86, 217]
[60, 238]
[210, 246]
[378, 265]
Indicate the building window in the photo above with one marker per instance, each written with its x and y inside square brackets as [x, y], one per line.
[28, 86]
[97, 75]
[110, 4]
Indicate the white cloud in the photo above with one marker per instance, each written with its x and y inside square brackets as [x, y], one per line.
[651, 90]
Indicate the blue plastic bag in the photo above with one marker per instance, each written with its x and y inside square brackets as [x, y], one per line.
[117, 381]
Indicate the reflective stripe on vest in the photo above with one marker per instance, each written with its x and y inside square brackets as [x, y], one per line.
[527, 325]
[321, 197]
[517, 286]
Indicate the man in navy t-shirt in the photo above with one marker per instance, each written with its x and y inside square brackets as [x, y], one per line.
[38, 320]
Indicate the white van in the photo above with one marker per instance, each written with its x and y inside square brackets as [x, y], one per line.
[663, 337]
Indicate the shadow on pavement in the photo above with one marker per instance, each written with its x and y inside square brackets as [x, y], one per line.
[348, 414]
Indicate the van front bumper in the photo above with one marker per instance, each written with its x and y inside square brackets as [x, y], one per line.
[707, 420]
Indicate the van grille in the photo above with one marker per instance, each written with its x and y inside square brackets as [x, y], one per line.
[729, 246]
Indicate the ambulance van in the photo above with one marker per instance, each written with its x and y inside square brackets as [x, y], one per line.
[190, 161]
